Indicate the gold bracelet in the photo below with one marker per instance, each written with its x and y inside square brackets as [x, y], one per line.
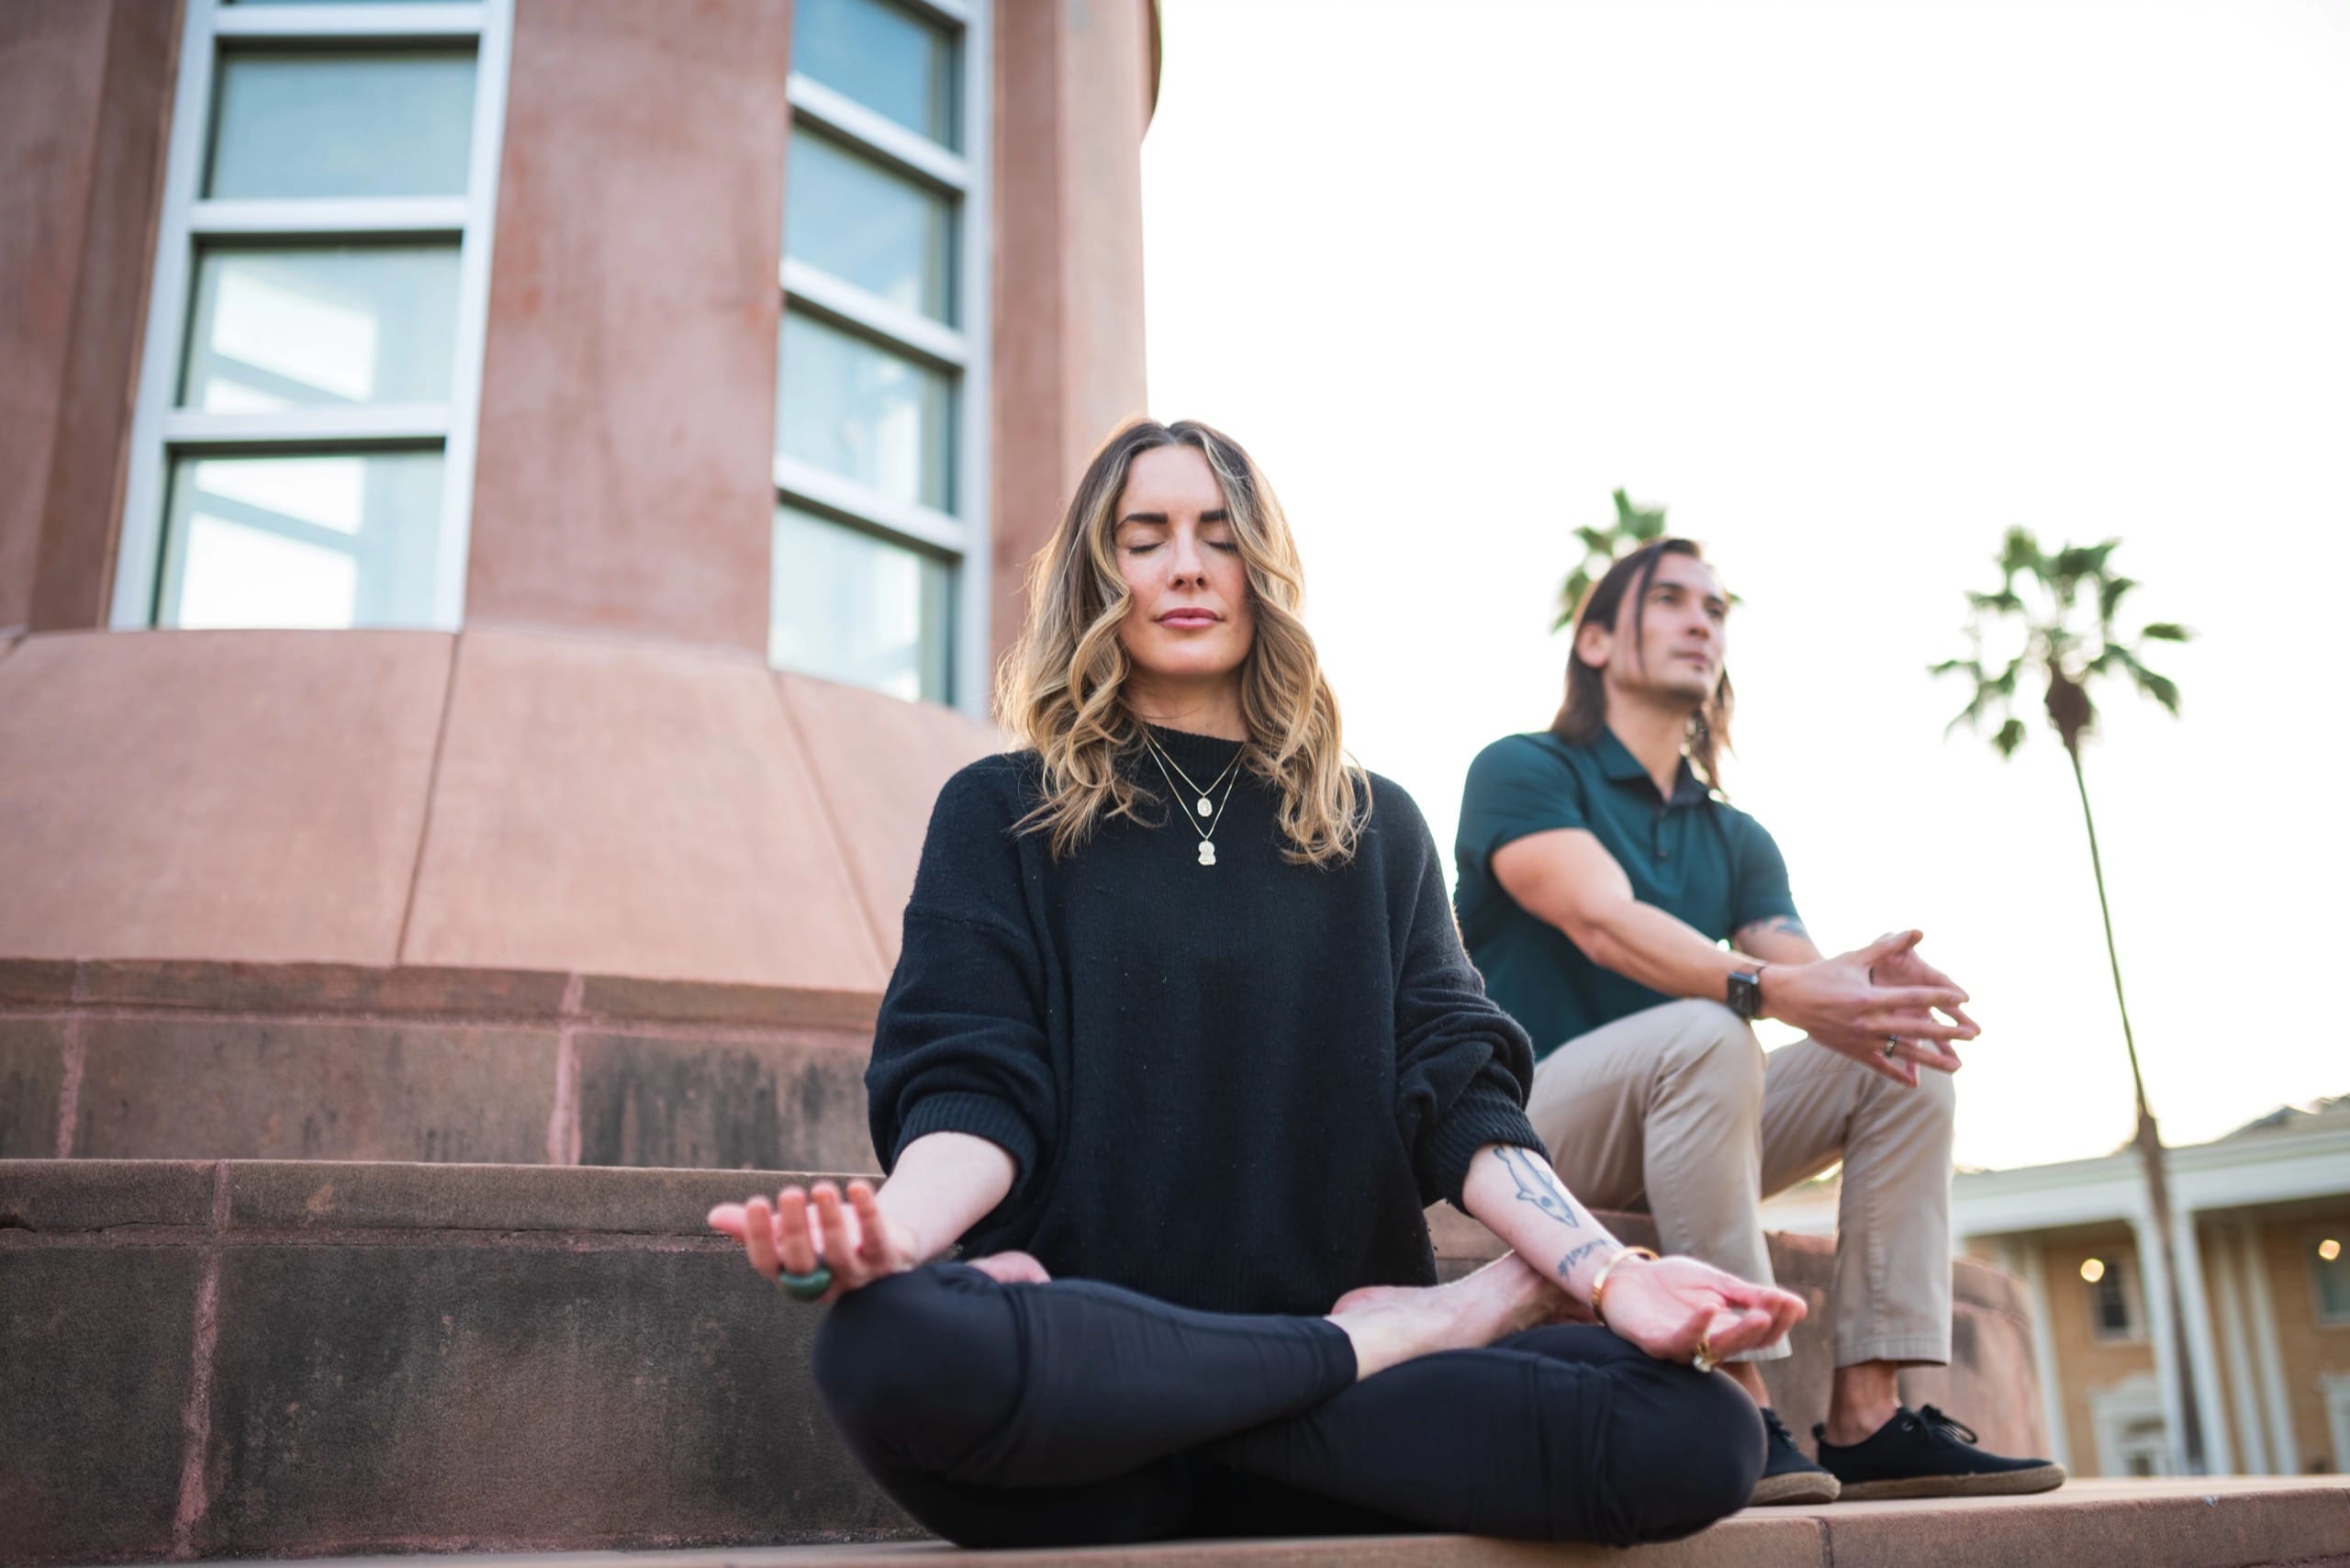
[1599, 1280]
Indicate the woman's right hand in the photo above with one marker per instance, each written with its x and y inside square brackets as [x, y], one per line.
[857, 1240]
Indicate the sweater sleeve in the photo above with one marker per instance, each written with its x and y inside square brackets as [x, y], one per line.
[1462, 1066]
[960, 1045]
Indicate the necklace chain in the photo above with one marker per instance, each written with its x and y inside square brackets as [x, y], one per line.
[1229, 777]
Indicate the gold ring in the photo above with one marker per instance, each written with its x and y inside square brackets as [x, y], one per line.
[1705, 1360]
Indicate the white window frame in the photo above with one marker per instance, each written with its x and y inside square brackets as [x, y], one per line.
[2129, 1420]
[2310, 1263]
[160, 432]
[2133, 1300]
[963, 537]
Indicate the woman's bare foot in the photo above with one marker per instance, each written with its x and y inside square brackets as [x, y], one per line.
[1012, 1268]
[1389, 1323]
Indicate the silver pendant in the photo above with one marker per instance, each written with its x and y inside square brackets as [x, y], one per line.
[1207, 852]
[1205, 808]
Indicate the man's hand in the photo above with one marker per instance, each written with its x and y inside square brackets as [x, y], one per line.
[1838, 1003]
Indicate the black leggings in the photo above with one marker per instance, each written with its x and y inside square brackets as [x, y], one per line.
[1074, 1412]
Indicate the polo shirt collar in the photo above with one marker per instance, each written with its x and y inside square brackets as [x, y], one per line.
[1619, 766]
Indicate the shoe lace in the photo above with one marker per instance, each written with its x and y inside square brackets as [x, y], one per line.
[1777, 1428]
[1933, 1417]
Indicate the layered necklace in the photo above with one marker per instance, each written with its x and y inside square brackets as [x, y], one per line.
[1210, 810]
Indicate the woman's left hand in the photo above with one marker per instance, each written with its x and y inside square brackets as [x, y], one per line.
[1676, 1307]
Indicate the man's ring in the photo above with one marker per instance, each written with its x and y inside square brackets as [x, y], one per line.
[809, 1286]
[1706, 1361]
[1892, 1044]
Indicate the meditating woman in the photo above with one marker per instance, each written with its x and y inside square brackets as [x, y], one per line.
[1180, 1043]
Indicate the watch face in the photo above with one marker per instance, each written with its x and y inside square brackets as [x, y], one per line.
[1744, 993]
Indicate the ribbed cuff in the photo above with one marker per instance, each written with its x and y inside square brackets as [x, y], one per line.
[981, 1115]
[1482, 1115]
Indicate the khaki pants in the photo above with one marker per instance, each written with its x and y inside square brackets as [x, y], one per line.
[1677, 1110]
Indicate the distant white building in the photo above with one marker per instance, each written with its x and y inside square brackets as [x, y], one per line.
[2261, 1225]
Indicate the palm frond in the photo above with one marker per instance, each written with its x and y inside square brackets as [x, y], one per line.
[2010, 736]
[2165, 632]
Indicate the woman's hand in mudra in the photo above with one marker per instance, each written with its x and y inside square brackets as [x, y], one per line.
[1675, 1307]
[802, 1231]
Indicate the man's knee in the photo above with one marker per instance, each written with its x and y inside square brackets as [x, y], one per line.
[1710, 1046]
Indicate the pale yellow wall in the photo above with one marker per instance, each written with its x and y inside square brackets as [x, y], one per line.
[2309, 1350]
[2083, 1362]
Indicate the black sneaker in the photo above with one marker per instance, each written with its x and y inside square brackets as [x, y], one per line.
[1924, 1453]
[1787, 1476]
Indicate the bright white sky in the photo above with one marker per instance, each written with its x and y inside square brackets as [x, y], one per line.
[1850, 288]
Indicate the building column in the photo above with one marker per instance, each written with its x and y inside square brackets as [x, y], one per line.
[2284, 1453]
[85, 101]
[2243, 1408]
[2024, 1260]
[2202, 1357]
[2153, 1282]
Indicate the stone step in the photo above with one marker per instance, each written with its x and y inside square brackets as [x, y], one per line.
[289, 1358]
[2233, 1522]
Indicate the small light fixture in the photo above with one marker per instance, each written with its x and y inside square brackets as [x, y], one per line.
[2329, 1249]
[2092, 1269]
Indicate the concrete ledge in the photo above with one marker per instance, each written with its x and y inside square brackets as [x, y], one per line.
[344, 1062]
[272, 1358]
[2235, 1522]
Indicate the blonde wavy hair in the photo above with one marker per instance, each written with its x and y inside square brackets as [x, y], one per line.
[1061, 688]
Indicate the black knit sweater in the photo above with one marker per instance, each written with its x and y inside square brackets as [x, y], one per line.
[1232, 1087]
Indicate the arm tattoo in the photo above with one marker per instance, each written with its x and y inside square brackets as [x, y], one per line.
[1537, 1185]
[1785, 925]
[1567, 1264]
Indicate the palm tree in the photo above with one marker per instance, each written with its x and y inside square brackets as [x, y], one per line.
[1634, 527]
[2066, 602]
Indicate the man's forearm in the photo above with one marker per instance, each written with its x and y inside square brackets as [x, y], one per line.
[1514, 1193]
[943, 1184]
[1643, 943]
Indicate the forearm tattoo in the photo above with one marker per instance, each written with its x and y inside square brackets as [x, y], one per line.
[1781, 924]
[1537, 1186]
[1567, 1264]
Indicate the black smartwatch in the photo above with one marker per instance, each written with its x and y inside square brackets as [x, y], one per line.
[1745, 997]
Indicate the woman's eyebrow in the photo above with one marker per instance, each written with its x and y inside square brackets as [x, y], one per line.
[1218, 515]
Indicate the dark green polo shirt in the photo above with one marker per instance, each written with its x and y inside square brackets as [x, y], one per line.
[1694, 857]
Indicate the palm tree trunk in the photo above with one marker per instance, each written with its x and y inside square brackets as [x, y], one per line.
[2149, 1140]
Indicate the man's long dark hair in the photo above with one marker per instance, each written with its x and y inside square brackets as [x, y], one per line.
[1584, 712]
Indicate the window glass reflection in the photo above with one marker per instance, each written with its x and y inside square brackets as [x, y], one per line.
[867, 226]
[305, 327]
[305, 123]
[860, 411]
[314, 540]
[853, 608]
[891, 61]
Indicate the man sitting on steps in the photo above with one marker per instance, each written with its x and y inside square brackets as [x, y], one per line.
[1599, 870]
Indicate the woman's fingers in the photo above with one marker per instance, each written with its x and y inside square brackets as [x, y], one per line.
[1734, 1330]
[795, 1245]
[873, 1243]
[728, 1217]
[758, 1236]
[839, 1235]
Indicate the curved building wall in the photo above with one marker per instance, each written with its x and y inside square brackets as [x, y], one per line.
[583, 879]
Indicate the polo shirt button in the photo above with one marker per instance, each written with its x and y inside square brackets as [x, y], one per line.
[1659, 851]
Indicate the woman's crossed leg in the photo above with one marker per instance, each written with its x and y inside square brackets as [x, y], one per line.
[1072, 1411]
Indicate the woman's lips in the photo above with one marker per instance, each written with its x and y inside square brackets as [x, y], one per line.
[1189, 618]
